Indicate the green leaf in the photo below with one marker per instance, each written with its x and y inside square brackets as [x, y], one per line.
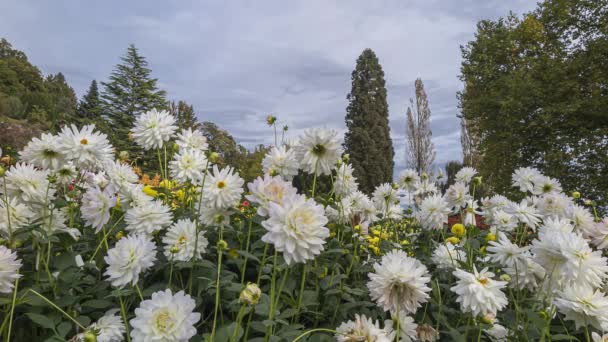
[41, 320]
[97, 303]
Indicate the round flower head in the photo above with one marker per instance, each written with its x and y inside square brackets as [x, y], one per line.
[223, 188]
[407, 328]
[524, 178]
[546, 185]
[188, 165]
[296, 228]
[130, 256]
[497, 333]
[269, 190]
[465, 175]
[555, 204]
[384, 196]
[318, 150]
[599, 234]
[345, 182]
[526, 214]
[95, 208]
[132, 195]
[506, 253]
[361, 329]
[153, 128]
[407, 179]
[66, 173]
[433, 213]
[85, 148]
[595, 337]
[399, 282]
[13, 215]
[148, 217]
[180, 242]
[43, 152]
[582, 219]
[478, 293]
[583, 305]
[109, 327]
[359, 208]
[191, 139]
[281, 161]
[457, 195]
[120, 174]
[27, 185]
[9, 269]
[214, 217]
[165, 318]
[447, 256]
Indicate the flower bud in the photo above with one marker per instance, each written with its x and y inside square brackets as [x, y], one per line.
[491, 237]
[576, 195]
[271, 119]
[477, 180]
[213, 157]
[89, 336]
[250, 295]
[119, 235]
[174, 249]
[221, 245]
[488, 318]
[285, 128]
[453, 240]
[346, 157]
[175, 147]
[505, 277]
[123, 155]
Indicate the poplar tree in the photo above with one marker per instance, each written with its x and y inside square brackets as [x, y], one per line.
[420, 150]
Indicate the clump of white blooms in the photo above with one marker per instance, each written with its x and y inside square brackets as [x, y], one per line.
[95, 209]
[407, 328]
[188, 165]
[130, 256]
[478, 293]
[296, 228]
[361, 329]
[189, 139]
[27, 185]
[109, 327]
[9, 269]
[345, 182]
[43, 152]
[180, 242]
[399, 282]
[281, 161]
[448, 256]
[408, 179]
[13, 215]
[153, 128]
[318, 150]
[148, 217]
[433, 212]
[84, 147]
[268, 190]
[583, 305]
[165, 317]
[223, 188]
[465, 175]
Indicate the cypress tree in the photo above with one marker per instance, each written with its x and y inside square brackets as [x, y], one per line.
[129, 92]
[90, 107]
[368, 140]
[186, 117]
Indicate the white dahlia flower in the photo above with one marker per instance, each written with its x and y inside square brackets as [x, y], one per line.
[595, 337]
[120, 174]
[361, 329]
[506, 253]
[95, 208]
[223, 188]
[296, 228]
[148, 217]
[189, 139]
[9, 269]
[524, 178]
[407, 328]
[584, 306]
[66, 173]
[433, 213]
[546, 185]
[165, 318]
[130, 256]
[318, 150]
[27, 185]
[384, 196]
[478, 293]
[153, 128]
[599, 234]
[43, 152]
[180, 241]
[345, 182]
[269, 190]
[85, 147]
[465, 175]
[457, 195]
[447, 256]
[399, 282]
[13, 215]
[528, 274]
[133, 195]
[582, 219]
[526, 214]
[497, 333]
[555, 204]
[188, 165]
[281, 161]
[109, 327]
[215, 217]
[407, 179]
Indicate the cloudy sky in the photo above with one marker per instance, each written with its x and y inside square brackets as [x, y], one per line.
[237, 61]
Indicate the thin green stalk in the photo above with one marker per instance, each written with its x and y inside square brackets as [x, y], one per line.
[301, 295]
[141, 296]
[239, 318]
[314, 330]
[196, 224]
[246, 250]
[105, 237]
[123, 312]
[10, 317]
[314, 180]
[217, 284]
[170, 272]
[160, 163]
[278, 295]
[272, 294]
[57, 308]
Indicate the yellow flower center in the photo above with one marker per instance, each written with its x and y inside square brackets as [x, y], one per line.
[483, 281]
[182, 240]
[84, 141]
[221, 184]
[163, 321]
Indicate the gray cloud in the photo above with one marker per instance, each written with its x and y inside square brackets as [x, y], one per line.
[238, 61]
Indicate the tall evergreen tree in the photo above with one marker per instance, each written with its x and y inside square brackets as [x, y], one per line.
[130, 91]
[62, 101]
[186, 117]
[420, 151]
[368, 140]
[90, 107]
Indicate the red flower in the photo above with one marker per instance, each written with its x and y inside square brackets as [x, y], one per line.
[245, 203]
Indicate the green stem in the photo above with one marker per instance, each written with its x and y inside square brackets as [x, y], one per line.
[247, 250]
[314, 330]
[105, 237]
[123, 312]
[217, 286]
[196, 224]
[314, 180]
[301, 295]
[272, 294]
[10, 317]
[278, 295]
[239, 318]
[141, 296]
[57, 308]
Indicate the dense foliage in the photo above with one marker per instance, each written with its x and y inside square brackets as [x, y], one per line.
[535, 94]
[368, 140]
